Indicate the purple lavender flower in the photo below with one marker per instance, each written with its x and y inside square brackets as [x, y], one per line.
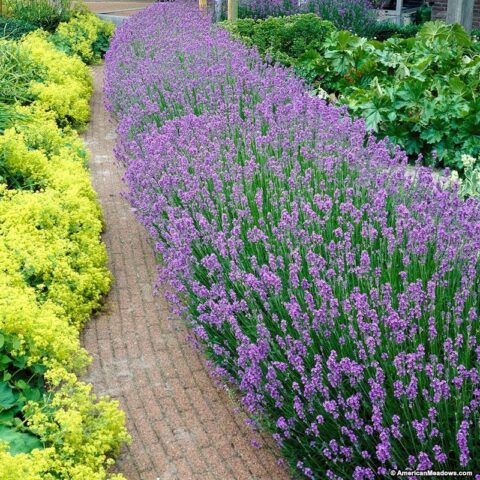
[336, 289]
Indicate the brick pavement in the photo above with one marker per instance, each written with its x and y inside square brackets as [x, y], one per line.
[183, 426]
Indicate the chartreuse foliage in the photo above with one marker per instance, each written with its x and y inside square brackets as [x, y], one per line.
[84, 35]
[52, 272]
[66, 84]
[421, 92]
[53, 276]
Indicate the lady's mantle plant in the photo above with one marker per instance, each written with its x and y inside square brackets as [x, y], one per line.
[53, 271]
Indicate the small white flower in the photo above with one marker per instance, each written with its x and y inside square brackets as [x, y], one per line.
[454, 176]
[321, 93]
[468, 161]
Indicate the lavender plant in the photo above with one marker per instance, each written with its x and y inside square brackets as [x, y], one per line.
[357, 16]
[268, 8]
[337, 290]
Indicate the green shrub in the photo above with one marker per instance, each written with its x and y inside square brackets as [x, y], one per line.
[283, 38]
[384, 30]
[46, 14]
[243, 29]
[101, 45]
[13, 29]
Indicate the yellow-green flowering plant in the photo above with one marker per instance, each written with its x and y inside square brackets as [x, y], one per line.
[84, 35]
[53, 275]
[67, 84]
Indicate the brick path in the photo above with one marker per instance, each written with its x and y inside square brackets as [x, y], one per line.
[183, 427]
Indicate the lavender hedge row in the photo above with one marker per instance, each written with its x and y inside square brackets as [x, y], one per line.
[355, 15]
[337, 290]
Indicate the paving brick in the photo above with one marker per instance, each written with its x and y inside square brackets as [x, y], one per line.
[216, 465]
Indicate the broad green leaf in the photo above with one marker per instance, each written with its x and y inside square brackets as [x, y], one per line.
[21, 384]
[309, 56]
[402, 71]
[7, 397]
[7, 416]
[19, 442]
[457, 85]
[431, 135]
[372, 119]
[33, 394]
[38, 368]
[20, 362]
[4, 361]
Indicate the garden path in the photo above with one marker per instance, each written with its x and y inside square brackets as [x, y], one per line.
[183, 426]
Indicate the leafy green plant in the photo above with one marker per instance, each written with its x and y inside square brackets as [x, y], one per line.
[13, 29]
[20, 383]
[102, 43]
[384, 30]
[46, 14]
[422, 92]
[283, 38]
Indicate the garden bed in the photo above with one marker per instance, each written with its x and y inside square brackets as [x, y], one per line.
[337, 290]
[53, 263]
